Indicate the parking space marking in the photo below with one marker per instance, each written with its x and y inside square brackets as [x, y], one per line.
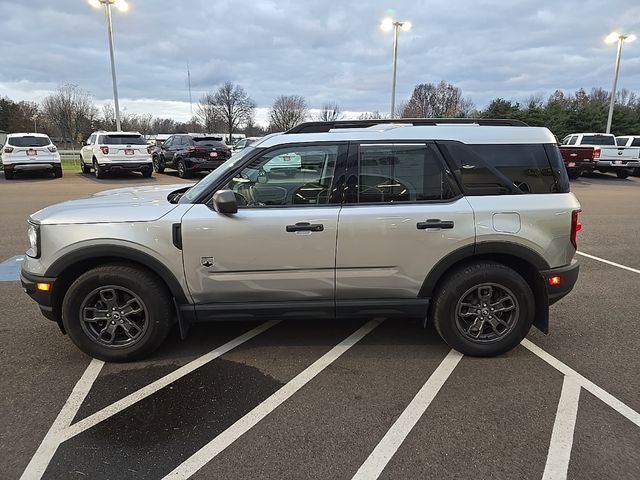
[390, 443]
[10, 268]
[588, 385]
[609, 262]
[153, 387]
[207, 453]
[40, 460]
[559, 454]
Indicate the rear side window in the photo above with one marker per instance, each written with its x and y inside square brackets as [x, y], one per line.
[572, 140]
[636, 142]
[402, 173]
[28, 141]
[489, 169]
[621, 141]
[598, 140]
[122, 140]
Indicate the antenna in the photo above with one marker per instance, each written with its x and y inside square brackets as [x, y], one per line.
[189, 80]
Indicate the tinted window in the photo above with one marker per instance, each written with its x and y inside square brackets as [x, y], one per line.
[401, 173]
[167, 143]
[636, 142]
[621, 141]
[488, 169]
[573, 140]
[209, 142]
[287, 176]
[122, 140]
[28, 141]
[598, 140]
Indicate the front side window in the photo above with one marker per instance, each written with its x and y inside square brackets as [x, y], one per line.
[401, 173]
[287, 176]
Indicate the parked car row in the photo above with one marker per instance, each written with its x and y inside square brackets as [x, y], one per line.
[587, 152]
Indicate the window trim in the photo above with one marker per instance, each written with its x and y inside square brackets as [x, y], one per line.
[353, 165]
[341, 160]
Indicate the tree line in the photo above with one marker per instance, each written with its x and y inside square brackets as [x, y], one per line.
[69, 114]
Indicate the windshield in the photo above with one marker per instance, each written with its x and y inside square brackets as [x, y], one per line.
[28, 141]
[122, 140]
[598, 140]
[200, 187]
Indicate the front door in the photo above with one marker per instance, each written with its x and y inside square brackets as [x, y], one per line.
[280, 246]
[402, 214]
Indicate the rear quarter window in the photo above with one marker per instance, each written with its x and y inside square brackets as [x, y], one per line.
[485, 169]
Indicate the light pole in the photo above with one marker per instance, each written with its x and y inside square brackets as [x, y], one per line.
[612, 38]
[387, 25]
[123, 6]
[35, 124]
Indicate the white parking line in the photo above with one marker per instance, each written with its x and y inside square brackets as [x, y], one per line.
[609, 262]
[388, 446]
[562, 436]
[244, 424]
[588, 385]
[150, 389]
[54, 436]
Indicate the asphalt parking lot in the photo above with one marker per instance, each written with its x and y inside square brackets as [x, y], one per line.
[333, 399]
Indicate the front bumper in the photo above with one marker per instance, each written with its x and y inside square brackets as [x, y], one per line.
[44, 299]
[568, 277]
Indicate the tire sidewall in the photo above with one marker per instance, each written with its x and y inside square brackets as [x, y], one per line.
[156, 303]
[465, 279]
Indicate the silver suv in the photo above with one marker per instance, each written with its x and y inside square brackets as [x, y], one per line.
[468, 224]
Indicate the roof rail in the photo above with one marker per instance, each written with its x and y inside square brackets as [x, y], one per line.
[325, 126]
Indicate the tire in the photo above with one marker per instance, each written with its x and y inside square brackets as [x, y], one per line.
[147, 172]
[462, 288]
[574, 174]
[156, 165]
[623, 173]
[9, 175]
[108, 288]
[85, 168]
[57, 172]
[97, 171]
[182, 169]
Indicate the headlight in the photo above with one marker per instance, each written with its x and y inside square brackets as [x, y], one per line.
[34, 240]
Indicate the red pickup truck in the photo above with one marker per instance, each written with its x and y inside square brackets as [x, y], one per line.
[579, 159]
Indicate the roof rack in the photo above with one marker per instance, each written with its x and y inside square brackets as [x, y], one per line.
[317, 127]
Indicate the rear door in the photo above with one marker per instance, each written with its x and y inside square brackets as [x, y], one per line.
[402, 214]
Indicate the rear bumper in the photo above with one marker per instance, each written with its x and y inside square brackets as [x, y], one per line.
[125, 166]
[584, 165]
[201, 164]
[623, 163]
[31, 166]
[568, 277]
[42, 298]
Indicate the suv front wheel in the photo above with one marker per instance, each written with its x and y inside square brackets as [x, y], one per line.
[483, 309]
[117, 313]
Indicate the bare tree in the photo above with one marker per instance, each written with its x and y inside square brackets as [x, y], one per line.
[230, 104]
[286, 112]
[208, 115]
[436, 101]
[371, 116]
[71, 111]
[330, 112]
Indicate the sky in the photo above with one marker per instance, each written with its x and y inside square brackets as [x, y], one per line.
[326, 51]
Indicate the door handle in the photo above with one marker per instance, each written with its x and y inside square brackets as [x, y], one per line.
[435, 223]
[305, 227]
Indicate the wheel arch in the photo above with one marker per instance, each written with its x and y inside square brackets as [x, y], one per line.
[68, 267]
[523, 260]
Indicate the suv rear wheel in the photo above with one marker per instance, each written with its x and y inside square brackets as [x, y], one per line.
[98, 172]
[117, 313]
[483, 309]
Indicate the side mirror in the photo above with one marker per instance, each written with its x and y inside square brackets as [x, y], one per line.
[224, 202]
[84, 143]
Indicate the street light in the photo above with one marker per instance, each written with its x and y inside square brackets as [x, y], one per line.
[123, 6]
[612, 38]
[387, 25]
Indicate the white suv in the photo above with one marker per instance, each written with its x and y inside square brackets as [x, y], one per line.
[116, 151]
[25, 152]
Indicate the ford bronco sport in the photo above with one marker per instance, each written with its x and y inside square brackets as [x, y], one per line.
[468, 224]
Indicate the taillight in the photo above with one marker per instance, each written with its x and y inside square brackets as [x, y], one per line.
[52, 148]
[576, 226]
[596, 153]
[8, 149]
[105, 150]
